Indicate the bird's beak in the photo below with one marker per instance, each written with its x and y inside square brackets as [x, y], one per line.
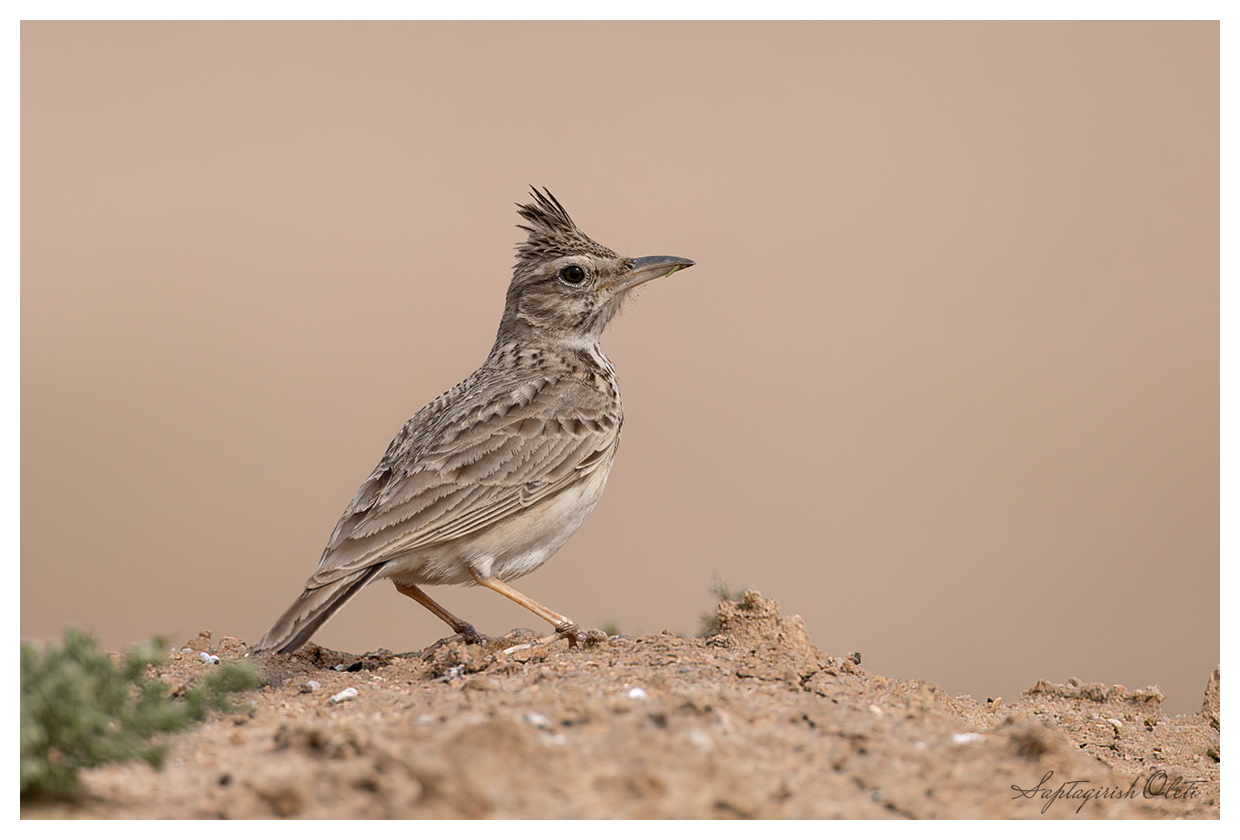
[646, 269]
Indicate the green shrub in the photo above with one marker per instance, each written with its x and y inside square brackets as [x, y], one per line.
[79, 709]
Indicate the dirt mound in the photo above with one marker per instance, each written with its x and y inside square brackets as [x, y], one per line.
[753, 721]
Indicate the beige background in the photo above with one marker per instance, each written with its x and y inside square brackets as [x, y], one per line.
[944, 381]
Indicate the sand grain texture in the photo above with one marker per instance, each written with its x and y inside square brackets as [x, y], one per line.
[753, 722]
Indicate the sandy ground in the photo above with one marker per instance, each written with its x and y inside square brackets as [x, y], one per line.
[754, 722]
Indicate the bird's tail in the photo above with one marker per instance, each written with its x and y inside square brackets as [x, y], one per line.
[311, 610]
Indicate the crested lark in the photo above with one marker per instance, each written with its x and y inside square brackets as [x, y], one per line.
[491, 478]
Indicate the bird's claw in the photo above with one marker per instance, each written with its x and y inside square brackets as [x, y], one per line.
[569, 630]
[465, 633]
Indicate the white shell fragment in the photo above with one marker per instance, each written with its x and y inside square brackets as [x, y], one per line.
[966, 737]
[209, 658]
[343, 697]
[637, 694]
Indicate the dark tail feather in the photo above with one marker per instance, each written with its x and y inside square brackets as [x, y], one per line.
[311, 610]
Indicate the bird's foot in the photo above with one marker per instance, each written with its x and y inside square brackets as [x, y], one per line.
[567, 630]
[466, 633]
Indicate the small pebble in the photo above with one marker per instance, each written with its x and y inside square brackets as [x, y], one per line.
[208, 658]
[637, 694]
[309, 687]
[536, 719]
[343, 697]
[966, 737]
[700, 740]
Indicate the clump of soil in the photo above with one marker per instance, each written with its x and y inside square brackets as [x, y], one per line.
[754, 721]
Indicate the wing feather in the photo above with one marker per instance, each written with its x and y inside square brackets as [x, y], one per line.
[446, 478]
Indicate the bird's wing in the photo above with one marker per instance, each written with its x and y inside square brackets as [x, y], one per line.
[451, 475]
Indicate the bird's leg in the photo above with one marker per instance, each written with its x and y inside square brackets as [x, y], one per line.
[565, 628]
[462, 628]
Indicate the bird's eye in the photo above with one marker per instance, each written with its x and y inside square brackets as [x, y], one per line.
[573, 274]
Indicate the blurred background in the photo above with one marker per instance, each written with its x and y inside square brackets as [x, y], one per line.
[945, 379]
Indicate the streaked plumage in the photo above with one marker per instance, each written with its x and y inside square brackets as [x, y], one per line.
[491, 478]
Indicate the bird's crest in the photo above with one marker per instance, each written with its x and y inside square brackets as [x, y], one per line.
[552, 233]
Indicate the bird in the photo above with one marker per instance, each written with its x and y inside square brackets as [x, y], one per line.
[487, 481]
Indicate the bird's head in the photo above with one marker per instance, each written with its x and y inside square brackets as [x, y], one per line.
[565, 286]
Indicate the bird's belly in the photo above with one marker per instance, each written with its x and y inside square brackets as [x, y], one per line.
[509, 549]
